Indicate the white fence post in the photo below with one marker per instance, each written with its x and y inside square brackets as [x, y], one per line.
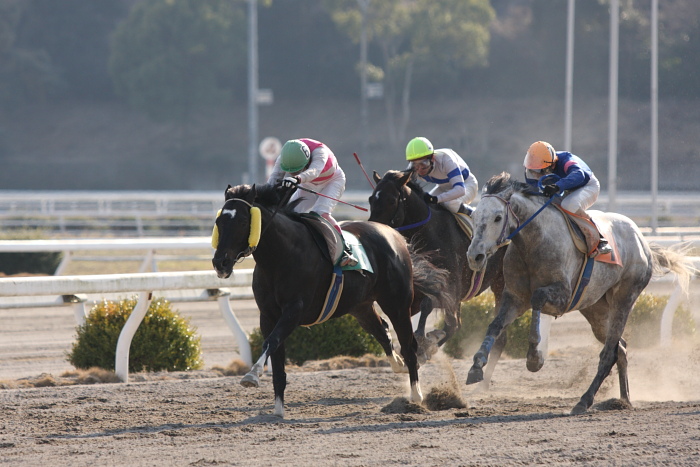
[121, 363]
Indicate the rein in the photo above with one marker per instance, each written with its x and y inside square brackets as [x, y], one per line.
[415, 224]
[504, 240]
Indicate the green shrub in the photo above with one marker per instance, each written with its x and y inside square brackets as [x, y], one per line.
[28, 263]
[644, 322]
[164, 340]
[340, 336]
[476, 315]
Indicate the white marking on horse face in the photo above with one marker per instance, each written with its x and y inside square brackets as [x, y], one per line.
[376, 194]
[229, 212]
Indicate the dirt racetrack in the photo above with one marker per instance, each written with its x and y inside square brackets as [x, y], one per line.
[353, 416]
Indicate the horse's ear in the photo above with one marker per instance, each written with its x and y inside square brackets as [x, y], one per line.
[406, 177]
[227, 193]
[376, 176]
[252, 194]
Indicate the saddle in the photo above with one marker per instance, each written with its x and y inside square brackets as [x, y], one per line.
[587, 231]
[332, 243]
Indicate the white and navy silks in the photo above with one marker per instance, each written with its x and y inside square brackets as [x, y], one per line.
[576, 179]
[323, 175]
[454, 183]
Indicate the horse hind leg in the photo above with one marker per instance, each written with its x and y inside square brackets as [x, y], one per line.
[400, 317]
[371, 322]
[622, 371]
[614, 348]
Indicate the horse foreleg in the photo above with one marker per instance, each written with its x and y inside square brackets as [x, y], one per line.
[252, 378]
[538, 340]
[507, 312]
[496, 351]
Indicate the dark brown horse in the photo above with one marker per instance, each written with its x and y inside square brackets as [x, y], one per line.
[292, 277]
[397, 201]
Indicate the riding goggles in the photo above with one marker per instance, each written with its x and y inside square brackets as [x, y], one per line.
[422, 163]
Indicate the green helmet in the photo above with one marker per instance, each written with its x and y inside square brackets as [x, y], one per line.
[295, 156]
[418, 147]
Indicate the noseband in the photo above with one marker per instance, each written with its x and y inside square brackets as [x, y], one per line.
[503, 238]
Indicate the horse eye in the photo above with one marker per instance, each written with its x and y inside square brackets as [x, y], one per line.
[498, 218]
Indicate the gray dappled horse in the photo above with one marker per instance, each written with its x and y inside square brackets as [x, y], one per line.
[541, 269]
[292, 276]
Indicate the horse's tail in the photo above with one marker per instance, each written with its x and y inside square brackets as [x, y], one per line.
[429, 280]
[674, 260]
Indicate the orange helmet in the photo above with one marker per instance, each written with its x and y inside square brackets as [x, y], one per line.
[540, 155]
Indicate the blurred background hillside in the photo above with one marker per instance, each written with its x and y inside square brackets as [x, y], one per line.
[152, 94]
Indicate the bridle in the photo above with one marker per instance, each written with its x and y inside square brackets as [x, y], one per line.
[402, 202]
[504, 238]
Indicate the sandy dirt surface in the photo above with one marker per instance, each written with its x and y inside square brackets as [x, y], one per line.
[354, 416]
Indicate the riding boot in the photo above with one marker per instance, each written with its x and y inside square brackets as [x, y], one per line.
[466, 209]
[347, 259]
[604, 247]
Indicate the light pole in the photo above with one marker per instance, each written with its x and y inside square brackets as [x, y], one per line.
[612, 140]
[568, 111]
[252, 92]
[654, 114]
[364, 113]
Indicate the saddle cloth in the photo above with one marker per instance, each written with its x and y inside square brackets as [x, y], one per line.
[586, 233]
[332, 243]
[465, 222]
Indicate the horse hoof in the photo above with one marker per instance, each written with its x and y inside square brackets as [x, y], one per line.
[250, 381]
[475, 375]
[535, 361]
[436, 336]
[579, 409]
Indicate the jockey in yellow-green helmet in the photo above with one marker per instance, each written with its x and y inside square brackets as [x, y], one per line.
[455, 185]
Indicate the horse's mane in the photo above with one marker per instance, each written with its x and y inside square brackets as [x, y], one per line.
[268, 196]
[393, 175]
[503, 182]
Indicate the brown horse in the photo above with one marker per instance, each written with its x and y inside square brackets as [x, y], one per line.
[292, 276]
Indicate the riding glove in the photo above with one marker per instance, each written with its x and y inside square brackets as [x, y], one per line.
[428, 198]
[289, 182]
[551, 190]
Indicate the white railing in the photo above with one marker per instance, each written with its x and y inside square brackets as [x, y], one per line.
[149, 245]
[155, 213]
[145, 284]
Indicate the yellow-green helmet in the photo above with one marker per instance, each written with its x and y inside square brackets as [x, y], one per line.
[295, 156]
[418, 147]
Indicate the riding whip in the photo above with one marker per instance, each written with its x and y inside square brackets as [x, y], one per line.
[357, 158]
[334, 199]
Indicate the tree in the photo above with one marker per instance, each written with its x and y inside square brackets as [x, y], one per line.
[426, 36]
[171, 57]
[25, 73]
[74, 35]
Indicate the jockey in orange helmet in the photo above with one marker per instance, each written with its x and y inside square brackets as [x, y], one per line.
[577, 183]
